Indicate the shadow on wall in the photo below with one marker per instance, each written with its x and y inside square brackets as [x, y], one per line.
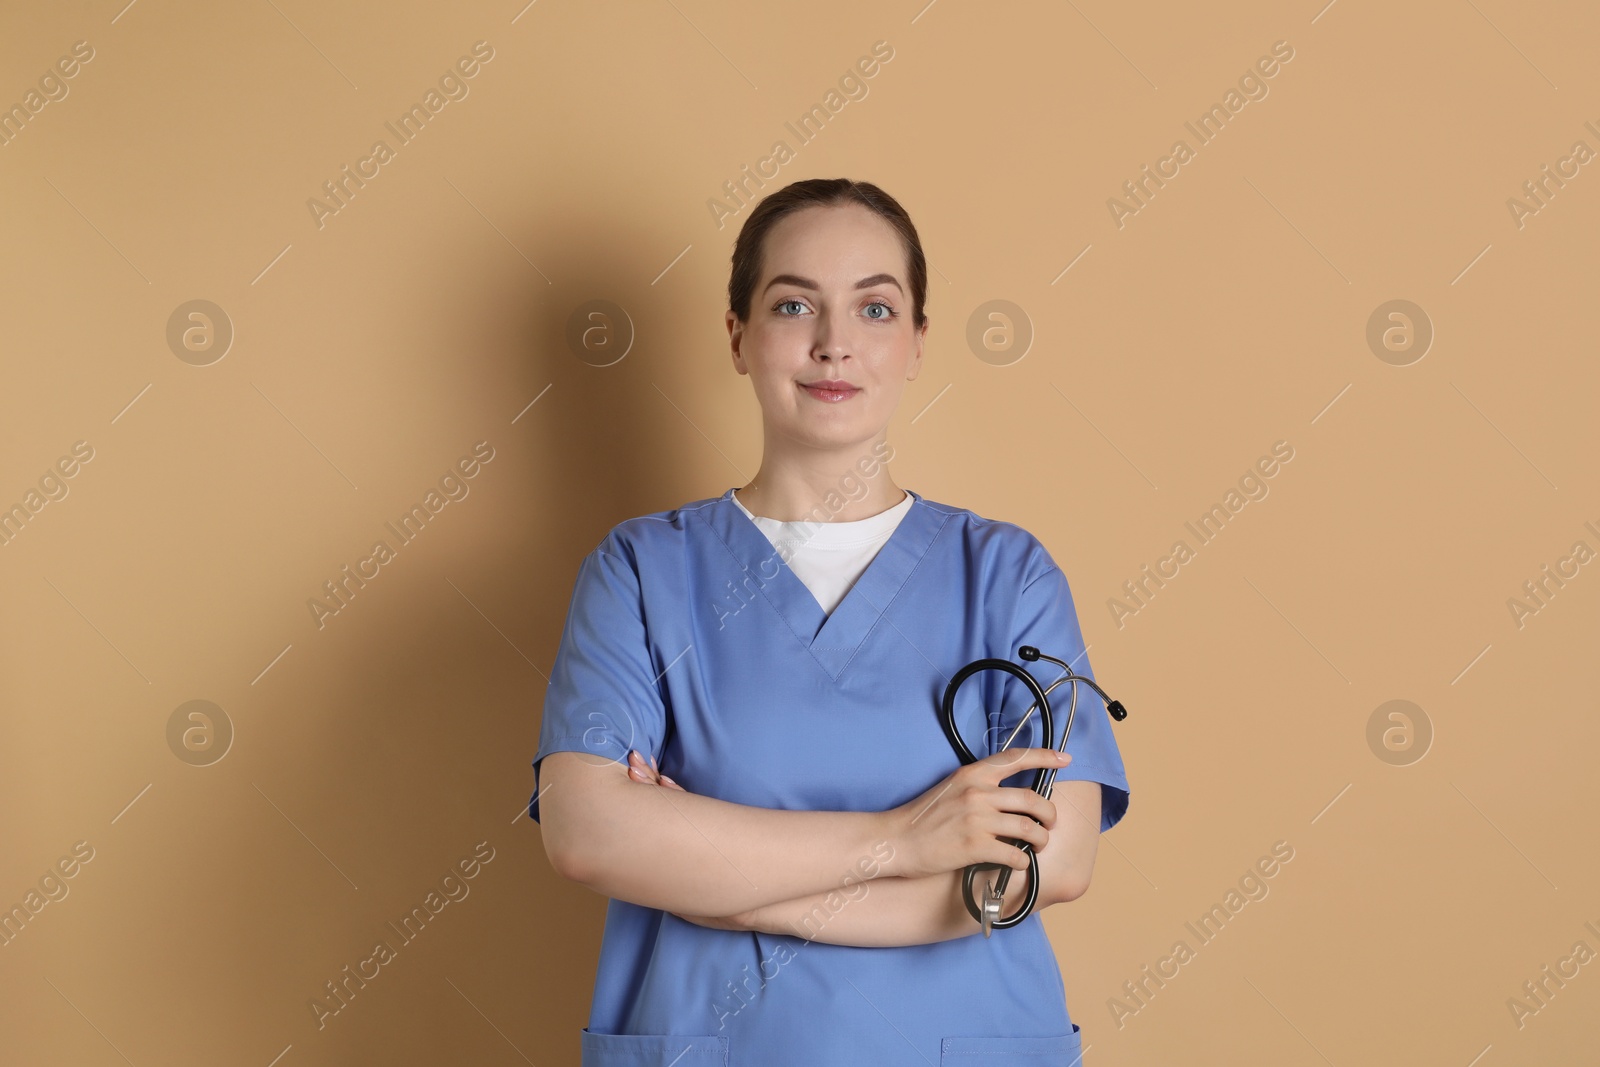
[416, 724]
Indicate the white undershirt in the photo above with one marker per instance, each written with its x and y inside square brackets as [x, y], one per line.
[828, 557]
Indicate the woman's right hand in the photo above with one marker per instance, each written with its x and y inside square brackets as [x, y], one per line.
[649, 773]
[961, 820]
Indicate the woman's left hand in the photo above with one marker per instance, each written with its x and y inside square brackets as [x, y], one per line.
[650, 774]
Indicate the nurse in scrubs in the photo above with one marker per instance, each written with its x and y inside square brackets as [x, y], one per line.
[740, 744]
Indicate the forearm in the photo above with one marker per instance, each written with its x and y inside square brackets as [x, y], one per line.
[693, 854]
[920, 911]
[886, 912]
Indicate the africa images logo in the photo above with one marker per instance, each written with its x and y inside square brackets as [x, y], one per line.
[342, 590]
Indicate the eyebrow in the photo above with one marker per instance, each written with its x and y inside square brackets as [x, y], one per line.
[807, 283]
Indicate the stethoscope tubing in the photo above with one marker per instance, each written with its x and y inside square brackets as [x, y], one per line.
[1043, 778]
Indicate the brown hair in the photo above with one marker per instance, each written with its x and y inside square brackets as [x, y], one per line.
[822, 192]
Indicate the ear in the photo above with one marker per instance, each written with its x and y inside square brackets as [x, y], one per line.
[735, 337]
[915, 366]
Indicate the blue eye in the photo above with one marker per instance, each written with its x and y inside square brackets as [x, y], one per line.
[889, 312]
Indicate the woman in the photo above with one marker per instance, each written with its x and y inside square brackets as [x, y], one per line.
[741, 743]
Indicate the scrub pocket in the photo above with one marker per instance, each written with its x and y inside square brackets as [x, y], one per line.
[652, 1050]
[1064, 1051]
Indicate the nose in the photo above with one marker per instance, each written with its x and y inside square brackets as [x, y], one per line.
[831, 342]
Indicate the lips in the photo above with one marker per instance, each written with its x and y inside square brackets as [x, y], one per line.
[830, 390]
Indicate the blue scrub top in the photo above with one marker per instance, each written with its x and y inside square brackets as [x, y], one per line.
[688, 638]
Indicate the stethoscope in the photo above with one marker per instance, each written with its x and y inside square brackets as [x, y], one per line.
[988, 913]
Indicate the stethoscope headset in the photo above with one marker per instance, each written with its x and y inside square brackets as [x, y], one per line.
[988, 912]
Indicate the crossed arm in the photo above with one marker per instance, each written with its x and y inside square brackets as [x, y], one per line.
[839, 877]
[918, 911]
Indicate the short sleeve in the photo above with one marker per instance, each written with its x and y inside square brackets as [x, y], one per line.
[603, 698]
[1047, 619]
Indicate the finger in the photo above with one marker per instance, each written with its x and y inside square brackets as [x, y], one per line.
[1006, 853]
[1005, 763]
[1014, 829]
[1022, 828]
[1026, 802]
[669, 783]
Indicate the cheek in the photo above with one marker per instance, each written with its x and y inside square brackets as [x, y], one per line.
[777, 392]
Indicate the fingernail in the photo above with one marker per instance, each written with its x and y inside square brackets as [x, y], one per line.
[669, 781]
[1063, 757]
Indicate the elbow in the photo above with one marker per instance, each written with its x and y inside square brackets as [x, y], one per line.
[563, 860]
[565, 850]
[1067, 882]
[567, 820]
[1074, 886]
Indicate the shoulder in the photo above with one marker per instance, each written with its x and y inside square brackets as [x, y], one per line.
[1005, 545]
[656, 530]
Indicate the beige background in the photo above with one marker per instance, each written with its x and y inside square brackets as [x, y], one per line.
[369, 756]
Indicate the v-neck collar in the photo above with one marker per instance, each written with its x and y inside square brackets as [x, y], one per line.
[832, 639]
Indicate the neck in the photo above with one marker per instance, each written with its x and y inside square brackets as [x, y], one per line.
[822, 493]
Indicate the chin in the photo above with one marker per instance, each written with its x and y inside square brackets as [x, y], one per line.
[833, 437]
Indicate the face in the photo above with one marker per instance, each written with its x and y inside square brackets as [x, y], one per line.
[813, 321]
